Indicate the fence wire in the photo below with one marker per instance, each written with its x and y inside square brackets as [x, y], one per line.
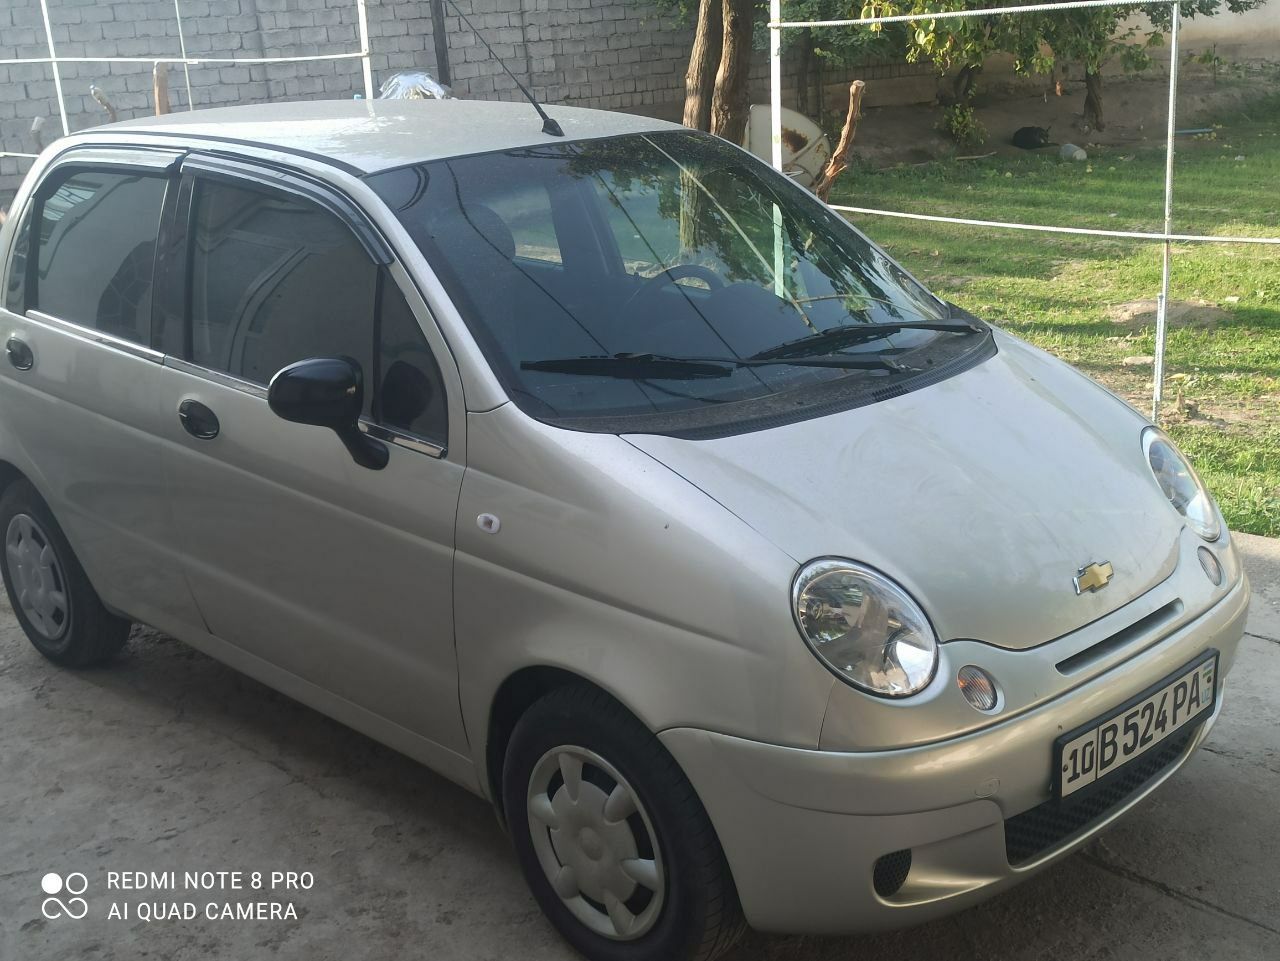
[776, 25]
[54, 61]
[1166, 237]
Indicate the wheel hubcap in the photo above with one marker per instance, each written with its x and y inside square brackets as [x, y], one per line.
[595, 843]
[37, 577]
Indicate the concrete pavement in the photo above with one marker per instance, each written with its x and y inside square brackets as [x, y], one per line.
[169, 761]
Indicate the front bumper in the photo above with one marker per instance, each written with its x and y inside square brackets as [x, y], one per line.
[803, 829]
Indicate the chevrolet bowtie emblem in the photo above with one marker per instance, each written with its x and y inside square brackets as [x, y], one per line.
[1094, 577]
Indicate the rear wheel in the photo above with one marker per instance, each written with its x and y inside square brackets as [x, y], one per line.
[611, 836]
[50, 593]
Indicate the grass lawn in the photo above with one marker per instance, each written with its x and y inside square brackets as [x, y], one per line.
[1222, 395]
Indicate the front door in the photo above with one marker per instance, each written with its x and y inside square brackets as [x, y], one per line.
[335, 573]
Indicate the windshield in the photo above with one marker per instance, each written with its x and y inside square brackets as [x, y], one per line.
[672, 244]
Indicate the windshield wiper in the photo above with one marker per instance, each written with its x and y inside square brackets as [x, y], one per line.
[659, 367]
[849, 335]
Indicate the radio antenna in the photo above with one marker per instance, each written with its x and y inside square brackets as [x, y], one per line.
[549, 125]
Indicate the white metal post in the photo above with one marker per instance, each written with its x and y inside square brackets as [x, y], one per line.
[775, 82]
[182, 45]
[53, 64]
[1162, 306]
[362, 13]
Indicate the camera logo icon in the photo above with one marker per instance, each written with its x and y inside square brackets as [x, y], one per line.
[74, 884]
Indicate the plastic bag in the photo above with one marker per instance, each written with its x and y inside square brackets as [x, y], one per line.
[414, 85]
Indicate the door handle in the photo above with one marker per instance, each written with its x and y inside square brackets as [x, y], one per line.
[19, 354]
[198, 420]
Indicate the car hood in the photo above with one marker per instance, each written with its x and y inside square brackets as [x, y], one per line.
[982, 495]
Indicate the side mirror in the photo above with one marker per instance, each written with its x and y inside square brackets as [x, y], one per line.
[327, 392]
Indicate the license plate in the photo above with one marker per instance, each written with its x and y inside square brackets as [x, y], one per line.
[1090, 753]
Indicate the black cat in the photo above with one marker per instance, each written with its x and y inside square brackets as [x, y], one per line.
[1032, 138]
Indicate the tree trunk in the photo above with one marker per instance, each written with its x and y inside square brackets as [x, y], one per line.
[699, 80]
[840, 157]
[804, 70]
[729, 106]
[1093, 99]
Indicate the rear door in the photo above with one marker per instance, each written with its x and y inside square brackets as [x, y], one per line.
[336, 573]
[79, 391]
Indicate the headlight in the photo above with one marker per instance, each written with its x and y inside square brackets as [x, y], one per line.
[1181, 484]
[866, 629]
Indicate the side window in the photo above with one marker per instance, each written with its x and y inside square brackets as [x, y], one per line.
[95, 251]
[410, 394]
[275, 279]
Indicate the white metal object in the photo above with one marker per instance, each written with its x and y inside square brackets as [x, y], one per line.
[1166, 237]
[1153, 236]
[805, 148]
[1162, 312]
[775, 84]
[362, 14]
[53, 60]
[775, 21]
[193, 61]
[776, 26]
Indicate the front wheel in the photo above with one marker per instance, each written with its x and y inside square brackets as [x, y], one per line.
[611, 836]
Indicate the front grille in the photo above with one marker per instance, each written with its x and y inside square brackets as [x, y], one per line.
[890, 872]
[1146, 627]
[1047, 826]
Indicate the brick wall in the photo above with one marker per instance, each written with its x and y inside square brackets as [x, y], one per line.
[597, 53]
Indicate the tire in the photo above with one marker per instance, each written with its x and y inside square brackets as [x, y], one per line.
[51, 596]
[680, 901]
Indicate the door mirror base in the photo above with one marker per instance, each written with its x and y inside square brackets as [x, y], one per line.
[364, 450]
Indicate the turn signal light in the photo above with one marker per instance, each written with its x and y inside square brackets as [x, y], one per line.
[978, 687]
[1212, 567]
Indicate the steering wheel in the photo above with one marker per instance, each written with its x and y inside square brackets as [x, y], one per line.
[668, 276]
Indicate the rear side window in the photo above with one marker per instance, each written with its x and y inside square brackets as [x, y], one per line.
[95, 251]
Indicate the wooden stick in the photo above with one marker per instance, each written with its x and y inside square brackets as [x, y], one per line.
[160, 87]
[839, 161]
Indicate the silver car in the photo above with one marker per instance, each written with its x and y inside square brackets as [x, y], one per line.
[617, 479]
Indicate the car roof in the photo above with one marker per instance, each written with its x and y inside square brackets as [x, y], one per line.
[373, 135]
